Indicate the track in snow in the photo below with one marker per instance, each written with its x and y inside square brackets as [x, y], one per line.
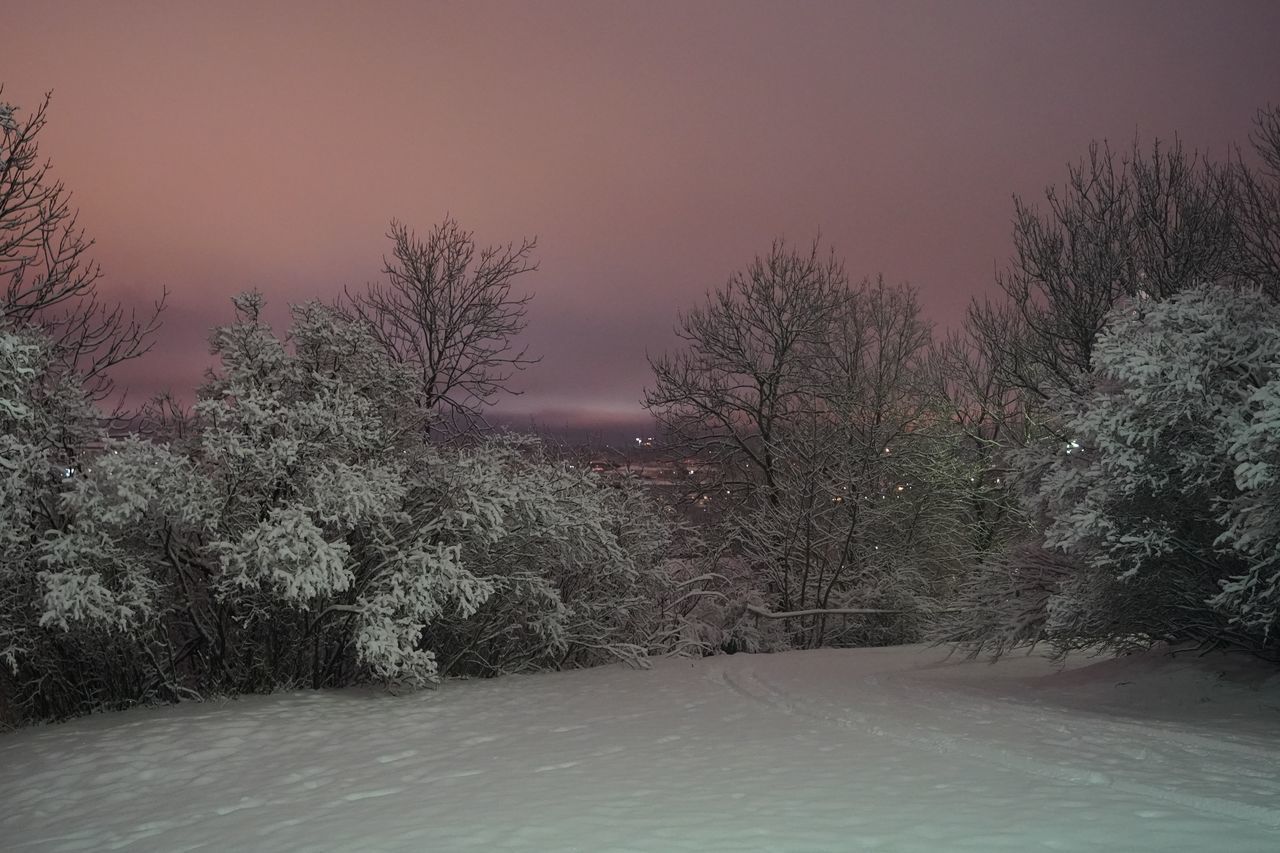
[1230, 777]
[837, 750]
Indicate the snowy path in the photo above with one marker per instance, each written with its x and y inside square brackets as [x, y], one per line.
[833, 750]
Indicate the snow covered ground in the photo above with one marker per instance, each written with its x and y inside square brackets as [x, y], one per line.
[877, 749]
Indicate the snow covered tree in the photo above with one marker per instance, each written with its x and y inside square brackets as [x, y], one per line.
[284, 541]
[1123, 234]
[321, 552]
[1122, 226]
[578, 567]
[58, 343]
[44, 422]
[866, 509]
[1163, 499]
[301, 531]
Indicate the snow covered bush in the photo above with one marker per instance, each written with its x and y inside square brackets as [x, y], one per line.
[285, 540]
[1002, 601]
[24, 476]
[1162, 490]
[323, 562]
[578, 566]
[1252, 517]
[298, 530]
[44, 426]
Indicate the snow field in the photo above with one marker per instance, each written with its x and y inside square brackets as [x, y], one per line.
[877, 749]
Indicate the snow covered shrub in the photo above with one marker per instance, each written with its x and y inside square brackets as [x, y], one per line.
[24, 475]
[44, 426]
[324, 560]
[578, 566]
[1163, 488]
[1252, 517]
[289, 538]
[299, 530]
[723, 616]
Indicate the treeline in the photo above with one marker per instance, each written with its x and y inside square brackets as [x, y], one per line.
[1090, 461]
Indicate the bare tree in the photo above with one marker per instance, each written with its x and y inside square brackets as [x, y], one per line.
[859, 475]
[752, 362]
[990, 416]
[811, 396]
[447, 310]
[878, 383]
[48, 279]
[1260, 203]
[1137, 226]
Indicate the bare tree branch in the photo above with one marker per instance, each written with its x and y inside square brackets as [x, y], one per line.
[447, 310]
[47, 279]
[1138, 226]
[755, 354]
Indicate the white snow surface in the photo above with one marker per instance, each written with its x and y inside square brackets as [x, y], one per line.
[899, 749]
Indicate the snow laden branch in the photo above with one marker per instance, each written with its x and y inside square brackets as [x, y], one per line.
[1159, 511]
[299, 530]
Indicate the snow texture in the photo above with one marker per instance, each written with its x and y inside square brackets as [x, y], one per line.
[879, 749]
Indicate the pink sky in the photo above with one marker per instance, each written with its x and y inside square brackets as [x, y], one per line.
[651, 147]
